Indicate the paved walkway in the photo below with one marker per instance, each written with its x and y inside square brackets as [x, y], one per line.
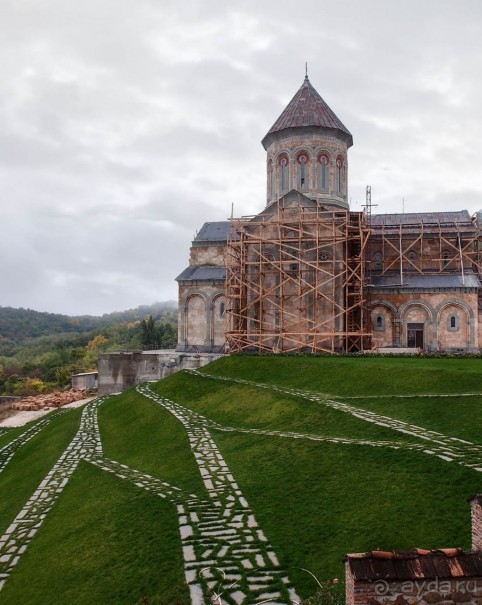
[8, 450]
[225, 551]
[449, 449]
[226, 535]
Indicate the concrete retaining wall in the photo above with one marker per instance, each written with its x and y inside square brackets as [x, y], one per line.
[121, 371]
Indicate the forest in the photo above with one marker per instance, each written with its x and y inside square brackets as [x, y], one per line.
[40, 351]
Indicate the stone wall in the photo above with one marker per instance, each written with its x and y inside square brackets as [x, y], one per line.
[476, 514]
[312, 146]
[446, 591]
[121, 371]
[430, 255]
[207, 254]
[201, 317]
[392, 311]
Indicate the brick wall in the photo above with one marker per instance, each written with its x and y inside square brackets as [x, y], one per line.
[476, 513]
[466, 590]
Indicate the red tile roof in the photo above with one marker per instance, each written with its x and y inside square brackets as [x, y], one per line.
[307, 108]
[416, 564]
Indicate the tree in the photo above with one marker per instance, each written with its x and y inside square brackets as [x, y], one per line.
[149, 333]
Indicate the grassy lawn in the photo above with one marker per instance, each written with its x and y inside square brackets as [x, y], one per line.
[357, 376]
[105, 542]
[14, 432]
[237, 405]
[456, 416]
[140, 433]
[317, 502]
[32, 462]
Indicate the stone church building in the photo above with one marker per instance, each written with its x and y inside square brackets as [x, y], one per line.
[308, 274]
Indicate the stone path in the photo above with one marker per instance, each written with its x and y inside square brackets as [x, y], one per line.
[224, 535]
[227, 557]
[8, 450]
[21, 531]
[225, 552]
[449, 449]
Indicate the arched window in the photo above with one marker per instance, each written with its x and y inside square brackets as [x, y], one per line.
[377, 261]
[453, 322]
[303, 171]
[339, 174]
[222, 309]
[270, 179]
[379, 323]
[283, 174]
[323, 169]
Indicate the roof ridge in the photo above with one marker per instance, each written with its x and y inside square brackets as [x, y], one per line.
[307, 108]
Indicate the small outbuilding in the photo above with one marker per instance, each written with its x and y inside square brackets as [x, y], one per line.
[85, 381]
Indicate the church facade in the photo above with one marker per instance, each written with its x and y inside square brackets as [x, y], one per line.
[307, 274]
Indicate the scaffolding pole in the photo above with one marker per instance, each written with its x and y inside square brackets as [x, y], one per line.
[295, 281]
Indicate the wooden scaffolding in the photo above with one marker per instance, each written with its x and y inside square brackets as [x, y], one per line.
[425, 247]
[295, 281]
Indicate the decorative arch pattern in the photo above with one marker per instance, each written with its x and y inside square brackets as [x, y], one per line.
[323, 164]
[283, 170]
[456, 321]
[340, 170]
[303, 169]
[383, 315]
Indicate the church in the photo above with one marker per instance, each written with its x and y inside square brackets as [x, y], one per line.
[307, 274]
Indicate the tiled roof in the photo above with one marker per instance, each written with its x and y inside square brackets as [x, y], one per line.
[214, 232]
[421, 282]
[415, 218]
[203, 273]
[307, 108]
[416, 564]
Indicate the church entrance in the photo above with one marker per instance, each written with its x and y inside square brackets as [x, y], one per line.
[415, 335]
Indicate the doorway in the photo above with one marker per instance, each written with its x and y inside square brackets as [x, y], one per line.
[415, 336]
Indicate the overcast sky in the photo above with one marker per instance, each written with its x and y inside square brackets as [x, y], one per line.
[126, 124]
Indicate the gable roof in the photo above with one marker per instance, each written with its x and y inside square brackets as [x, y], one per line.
[202, 273]
[416, 564]
[307, 109]
[286, 200]
[416, 218]
[214, 232]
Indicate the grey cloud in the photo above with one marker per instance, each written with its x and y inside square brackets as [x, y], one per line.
[126, 126]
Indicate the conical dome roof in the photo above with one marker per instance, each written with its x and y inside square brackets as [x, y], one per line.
[307, 109]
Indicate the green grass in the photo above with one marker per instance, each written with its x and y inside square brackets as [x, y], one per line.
[14, 432]
[357, 376]
[317, 502]
[236, 405]
[32, 462]
[105, 542]
[140, 433]
[459, 417]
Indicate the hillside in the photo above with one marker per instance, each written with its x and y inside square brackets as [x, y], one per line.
[256, 468]
[40, 351]
[18, 325]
